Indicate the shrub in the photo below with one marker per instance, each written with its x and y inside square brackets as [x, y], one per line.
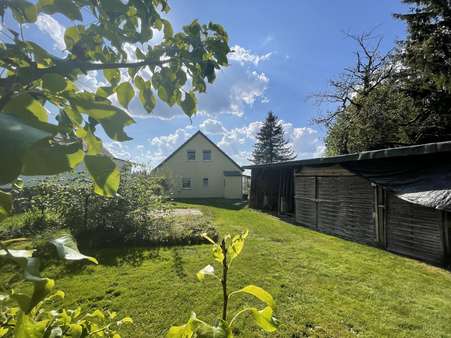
[132, 216]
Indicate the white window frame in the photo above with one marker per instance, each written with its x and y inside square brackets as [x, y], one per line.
[187, 179]
[187, 155]
[204, 152]
[205, 179]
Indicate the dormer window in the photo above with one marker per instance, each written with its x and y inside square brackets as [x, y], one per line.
[206, 155]
[191, 155]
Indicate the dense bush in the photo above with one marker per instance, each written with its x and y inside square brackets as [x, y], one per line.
[132, 216]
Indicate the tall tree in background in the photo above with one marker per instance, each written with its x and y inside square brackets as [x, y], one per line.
[374, 109]
[271, 145]
[370, 109]
[426, 57]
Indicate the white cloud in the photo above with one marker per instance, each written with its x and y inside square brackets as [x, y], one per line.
[53, 28]
[90, 82]
[243, 56]
[306, 141]
[118, 149]
[212, 127]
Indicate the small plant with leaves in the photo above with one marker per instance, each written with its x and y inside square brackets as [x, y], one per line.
[224, 253]
[39, 314]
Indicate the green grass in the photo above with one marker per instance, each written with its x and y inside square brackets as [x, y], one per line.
[324, 286]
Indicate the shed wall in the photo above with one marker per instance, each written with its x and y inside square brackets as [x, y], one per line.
[332, 200]
[414, 231]
[336, 202]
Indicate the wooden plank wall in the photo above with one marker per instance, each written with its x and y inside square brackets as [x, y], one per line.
[346, 208]
[305, 195]
[414, 231]
[331, 199]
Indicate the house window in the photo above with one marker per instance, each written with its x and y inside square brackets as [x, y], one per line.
[205, 182]
[191, 155]
[206, 155]
[186, 183]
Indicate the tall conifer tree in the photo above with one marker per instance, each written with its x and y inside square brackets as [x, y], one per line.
[271, 145]
[426, 55]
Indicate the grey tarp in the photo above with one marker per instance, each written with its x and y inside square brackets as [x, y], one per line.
[423, 180]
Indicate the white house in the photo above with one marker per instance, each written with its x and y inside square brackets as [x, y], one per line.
[200, 169]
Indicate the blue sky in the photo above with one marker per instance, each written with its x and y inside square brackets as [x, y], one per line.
[284, 51]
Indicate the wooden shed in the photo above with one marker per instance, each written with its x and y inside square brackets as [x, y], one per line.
[397, 199]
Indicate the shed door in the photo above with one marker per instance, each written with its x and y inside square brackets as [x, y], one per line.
[305, 196]
[414, 231]
[346, 208]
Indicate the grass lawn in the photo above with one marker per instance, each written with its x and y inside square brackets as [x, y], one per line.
[324, 286]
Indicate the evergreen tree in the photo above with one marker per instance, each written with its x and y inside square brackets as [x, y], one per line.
[272, 145]
[426, 55]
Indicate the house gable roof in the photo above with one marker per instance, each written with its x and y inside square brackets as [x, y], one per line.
[191, 138]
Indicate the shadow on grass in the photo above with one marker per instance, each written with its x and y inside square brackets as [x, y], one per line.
[133, 256]
[178, 266]
[112, 257]
[216, 203]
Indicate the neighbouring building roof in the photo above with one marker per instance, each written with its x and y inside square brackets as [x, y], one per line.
[188, 140]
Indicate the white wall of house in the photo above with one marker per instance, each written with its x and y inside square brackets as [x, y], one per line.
[198, 169]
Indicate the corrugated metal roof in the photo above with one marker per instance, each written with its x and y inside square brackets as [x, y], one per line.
[415, 150]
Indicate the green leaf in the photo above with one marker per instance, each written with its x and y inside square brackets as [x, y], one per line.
[260, 293]
[216, 249]
[208, 331]
[218, 255]
[208, 270]
[112, 75]
[189, 104]
[72, 36]
[26, 327]
[66, 7]
[125, 321]
[23, 11]
[53, 82]
[16, 137]
[98, 110]
[264, 319]
[45, 158]
[114, 126]
[147, 99]
[139, 82]
[75, 330]
[237, 245]
[67, 249]
[104, 91]
[125, 93]
[105, 174]
[93, 143]
[183, 331]
[168, 31]
[26, 107]
[6, 204]
[73, 115]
